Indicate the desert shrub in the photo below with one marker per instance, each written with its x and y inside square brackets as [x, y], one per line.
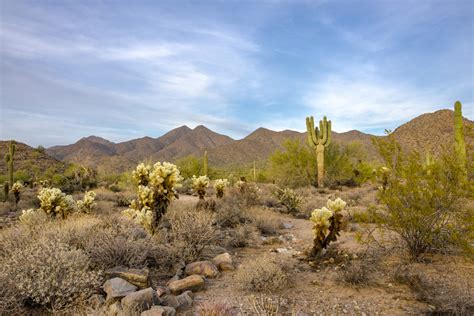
[219, 186]
[425, 209]
[450, 294]
[50, 273]
[200, 185]
[32, 217]
[191, 231]
[262, 275]
[289, 199]
[265, 220]
[214, 309]
[156, 190]
[76, 178]
[327, 224]
[189, 166]
[249, 193]
[230, 211]
[356, 273]
[242, 236]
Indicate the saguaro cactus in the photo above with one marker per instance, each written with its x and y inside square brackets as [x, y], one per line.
[460, 145]
[9, 162]
[319, 139]
[204, 164]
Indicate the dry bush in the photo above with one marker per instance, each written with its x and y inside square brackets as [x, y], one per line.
[230, 211]
[451, 294]
[267, 222]
[262, 275]
[49, 273]
[191, 231]
[242, 236]
[356, 273]
[214, 309]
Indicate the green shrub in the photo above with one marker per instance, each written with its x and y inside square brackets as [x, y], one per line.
[425, 208]
[289, 199]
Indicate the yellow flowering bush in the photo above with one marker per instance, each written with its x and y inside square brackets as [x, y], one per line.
[327, 224]
[87, 204]
[199, 185]
[220, 185]
[157, 186]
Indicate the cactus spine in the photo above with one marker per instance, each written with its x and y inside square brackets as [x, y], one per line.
[9, 162]
[204, 164]
[319, 139]
[460, 145]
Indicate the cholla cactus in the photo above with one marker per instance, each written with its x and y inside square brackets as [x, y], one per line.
[327, 224]
[383, 173]
[55, 203]
[16, 189]
[87, 204]
[241, 185]
[199, 185]
[288, 198]
[220, 185]
[156, 190]
[32, 217]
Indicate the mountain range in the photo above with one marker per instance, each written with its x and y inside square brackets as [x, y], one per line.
[427, 132]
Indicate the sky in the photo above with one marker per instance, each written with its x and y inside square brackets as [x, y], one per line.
[128, 69]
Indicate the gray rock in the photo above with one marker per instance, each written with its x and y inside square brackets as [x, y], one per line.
[180, 302]
[287, 225]
[118, 287]
[140, 300]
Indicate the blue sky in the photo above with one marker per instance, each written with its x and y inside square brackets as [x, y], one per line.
[126, 69]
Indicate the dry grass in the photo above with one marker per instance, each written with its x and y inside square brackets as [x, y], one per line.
[266, 221]
[262, 275]
[449, 292]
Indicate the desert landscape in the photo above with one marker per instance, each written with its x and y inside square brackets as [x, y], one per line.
[264, 158]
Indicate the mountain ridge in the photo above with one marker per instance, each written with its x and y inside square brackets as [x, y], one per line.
[427, 132]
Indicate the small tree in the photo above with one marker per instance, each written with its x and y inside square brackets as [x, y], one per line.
[423, 205]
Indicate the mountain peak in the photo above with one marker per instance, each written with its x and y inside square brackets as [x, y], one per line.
[96, 139]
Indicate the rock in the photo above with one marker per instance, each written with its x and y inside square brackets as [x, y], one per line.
[223, 262]
[140, 300]
[287, 225]
[159, 311]
[204, 268]
[118, 287]
[115, 309]
[162, 290]
[181, 302]
[188, 283]
[138, 277]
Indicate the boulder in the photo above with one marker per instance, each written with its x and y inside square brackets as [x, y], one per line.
[140, 300]
[138, 277]
[223, 262]
[188, 283]
[118, 287]
[115, 310]
[180, 303]
[204, 268]
[159, 311]
[162, 290]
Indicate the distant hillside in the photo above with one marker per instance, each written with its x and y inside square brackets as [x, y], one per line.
[111, 157]
[27, 158]
[431, 131]
[427, 132]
